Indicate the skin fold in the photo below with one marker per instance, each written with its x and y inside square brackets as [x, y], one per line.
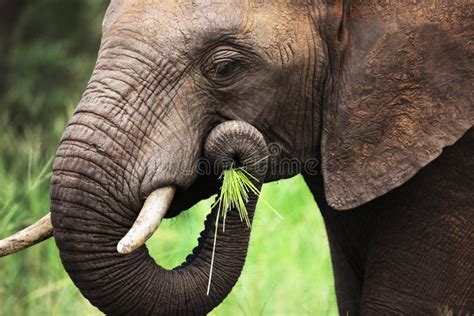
[376, 91]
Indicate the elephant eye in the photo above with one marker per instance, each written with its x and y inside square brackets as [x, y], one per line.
[224, 66]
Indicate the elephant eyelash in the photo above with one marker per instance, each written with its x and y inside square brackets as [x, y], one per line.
[224, 67]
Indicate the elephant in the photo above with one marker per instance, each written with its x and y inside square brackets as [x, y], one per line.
[379, 92]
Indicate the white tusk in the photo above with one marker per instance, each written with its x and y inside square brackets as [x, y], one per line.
[39, 231]
[148, 221]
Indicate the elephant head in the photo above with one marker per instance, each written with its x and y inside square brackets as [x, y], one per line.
[176, 81]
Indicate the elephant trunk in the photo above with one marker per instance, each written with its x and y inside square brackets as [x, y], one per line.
[89, 220]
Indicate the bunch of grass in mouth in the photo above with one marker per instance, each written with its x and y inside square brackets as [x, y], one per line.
[234, 194]
[235, 191]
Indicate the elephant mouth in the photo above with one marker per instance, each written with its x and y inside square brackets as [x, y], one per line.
[202, 188]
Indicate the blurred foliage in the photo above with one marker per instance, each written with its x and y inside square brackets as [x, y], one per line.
[49, 58]
[47, 52]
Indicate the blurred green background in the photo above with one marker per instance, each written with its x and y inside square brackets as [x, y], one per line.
[47, 52]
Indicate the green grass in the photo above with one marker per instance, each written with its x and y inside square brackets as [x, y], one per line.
[288, 270]
[235, 189]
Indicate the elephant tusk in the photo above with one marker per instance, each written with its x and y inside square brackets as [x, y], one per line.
[148, 221]
[36, 233]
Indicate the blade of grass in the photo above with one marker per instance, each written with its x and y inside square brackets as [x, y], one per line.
[213, 253]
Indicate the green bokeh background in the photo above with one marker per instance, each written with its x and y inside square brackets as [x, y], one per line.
[47, 53]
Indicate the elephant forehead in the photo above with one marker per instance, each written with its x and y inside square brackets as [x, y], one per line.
[186, 24]
[171, 13]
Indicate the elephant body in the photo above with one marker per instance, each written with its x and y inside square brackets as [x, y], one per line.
[410, 251]
[380, 92]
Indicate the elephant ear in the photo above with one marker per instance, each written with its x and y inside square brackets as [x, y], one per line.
[400, 91]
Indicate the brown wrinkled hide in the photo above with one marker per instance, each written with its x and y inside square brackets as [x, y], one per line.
[403, 91]
[409, 252]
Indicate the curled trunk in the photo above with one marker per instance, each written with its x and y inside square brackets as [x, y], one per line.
[89, 219]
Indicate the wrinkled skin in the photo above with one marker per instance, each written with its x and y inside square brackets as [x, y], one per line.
[356, 86]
